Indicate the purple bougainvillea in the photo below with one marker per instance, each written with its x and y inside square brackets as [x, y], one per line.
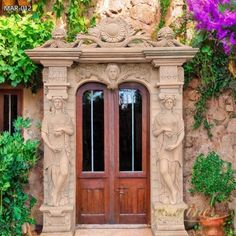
[217, 17]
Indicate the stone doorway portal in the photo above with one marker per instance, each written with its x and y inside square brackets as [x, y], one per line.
[115, 55]
[112, 154]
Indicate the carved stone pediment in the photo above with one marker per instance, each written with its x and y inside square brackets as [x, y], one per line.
[112, 33]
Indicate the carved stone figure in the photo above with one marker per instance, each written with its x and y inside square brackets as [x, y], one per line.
[57, 127]
[169, 129]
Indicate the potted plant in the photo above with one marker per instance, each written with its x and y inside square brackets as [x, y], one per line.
[215, 179]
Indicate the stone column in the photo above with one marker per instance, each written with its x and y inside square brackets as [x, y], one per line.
[57, 128]
[168, 133]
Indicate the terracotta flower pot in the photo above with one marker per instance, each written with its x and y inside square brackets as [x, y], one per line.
[212, 226]
[6, 3]
[24, 2]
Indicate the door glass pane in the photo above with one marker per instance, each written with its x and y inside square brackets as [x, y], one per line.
[93, 131]
[130, 130]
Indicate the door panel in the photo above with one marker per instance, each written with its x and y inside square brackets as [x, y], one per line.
[132, 201]
[113, 155]
[132, 181]
[92, 201]
[92, 172]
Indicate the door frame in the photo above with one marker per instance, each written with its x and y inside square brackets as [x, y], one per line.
[111, 155]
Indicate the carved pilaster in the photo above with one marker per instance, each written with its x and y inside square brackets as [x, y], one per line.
[168, 131]
[57, 129]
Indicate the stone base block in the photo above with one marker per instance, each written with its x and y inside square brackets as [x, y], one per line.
[168, 220]
[58, 220]
[57, 234]
[170, 233]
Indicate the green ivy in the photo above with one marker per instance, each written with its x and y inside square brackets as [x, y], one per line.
[164, 6]
[76, 20]
[210, 65]
[18, 33]
[17, 157]
[58, 8]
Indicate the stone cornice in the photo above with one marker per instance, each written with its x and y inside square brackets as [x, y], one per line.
[155, 55]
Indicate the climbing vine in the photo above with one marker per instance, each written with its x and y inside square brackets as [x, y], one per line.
[216, 39]
[211, 66]
[164, 6]
[76, 20]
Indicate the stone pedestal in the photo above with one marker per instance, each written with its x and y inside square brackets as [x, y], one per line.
[168, 220]
[58, 220]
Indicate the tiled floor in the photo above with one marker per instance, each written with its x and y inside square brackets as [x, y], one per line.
[113, 232]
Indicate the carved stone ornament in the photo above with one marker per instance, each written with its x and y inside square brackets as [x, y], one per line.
[166, 38]
[168, 128]
[57, 128]
[113, 74]
[112, 33]
[58, 39]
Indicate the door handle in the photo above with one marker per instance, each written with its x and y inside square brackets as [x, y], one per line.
[121, 191]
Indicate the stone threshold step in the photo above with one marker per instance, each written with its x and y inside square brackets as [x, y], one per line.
[113, 226]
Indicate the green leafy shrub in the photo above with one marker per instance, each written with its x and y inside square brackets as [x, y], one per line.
[17, 157]
[213, 177]
[18, 33]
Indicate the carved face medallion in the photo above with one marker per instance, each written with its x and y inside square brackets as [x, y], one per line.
[113, 72]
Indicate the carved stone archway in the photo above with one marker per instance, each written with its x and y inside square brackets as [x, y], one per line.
[157, 65]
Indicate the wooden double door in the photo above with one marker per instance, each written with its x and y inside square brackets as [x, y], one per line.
[113, 155]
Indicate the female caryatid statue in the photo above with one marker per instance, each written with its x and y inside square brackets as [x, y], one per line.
[56, 129]
[169, 129]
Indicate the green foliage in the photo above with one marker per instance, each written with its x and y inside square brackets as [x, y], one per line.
[213, 177]
[210, 65]
[18, 33]
[58, 8]
[229, 224]
[17, 157]
[164, 4]
[38, 8]
[76, 20]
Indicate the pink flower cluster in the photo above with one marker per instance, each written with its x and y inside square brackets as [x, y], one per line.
[218, 17]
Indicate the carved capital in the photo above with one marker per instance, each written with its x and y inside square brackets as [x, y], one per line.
[170, 78]
[55, 82]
